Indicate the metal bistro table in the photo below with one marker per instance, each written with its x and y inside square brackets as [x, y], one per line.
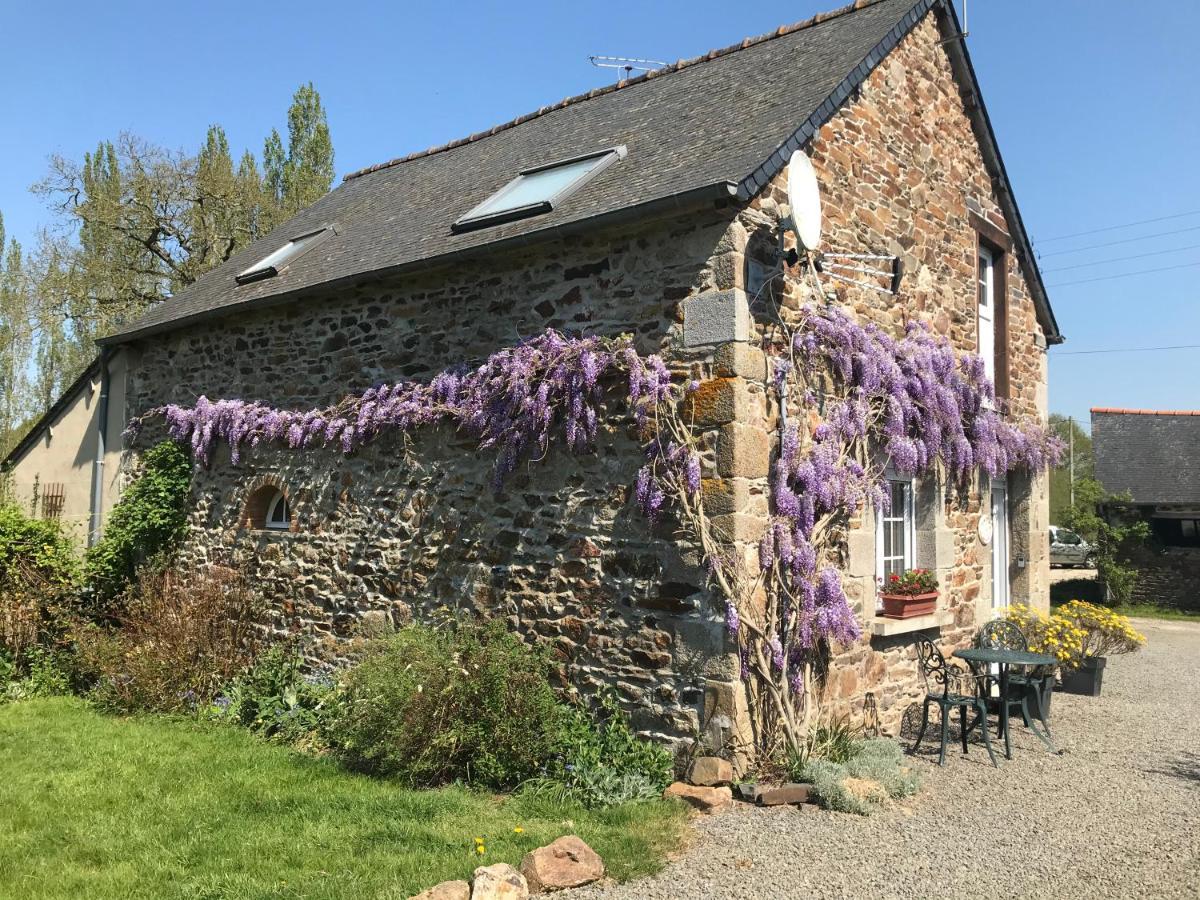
[1002, 659]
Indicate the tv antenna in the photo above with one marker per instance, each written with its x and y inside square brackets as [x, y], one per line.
[626, 64]
[878, 272]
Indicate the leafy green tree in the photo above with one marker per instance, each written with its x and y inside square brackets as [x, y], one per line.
[1060, 476]
[1119, 537]
[15, 341]
[137, 223]
[302, 174]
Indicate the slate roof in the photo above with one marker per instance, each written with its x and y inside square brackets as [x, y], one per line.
[715, 126]
[1154, 455]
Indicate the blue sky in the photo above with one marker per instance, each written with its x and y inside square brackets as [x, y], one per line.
[1093, 103]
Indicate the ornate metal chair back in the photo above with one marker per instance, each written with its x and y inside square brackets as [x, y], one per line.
[1002, 635]
[935, 672]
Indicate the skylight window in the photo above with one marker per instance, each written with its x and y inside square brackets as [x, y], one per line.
[538, 190]
[271, 264]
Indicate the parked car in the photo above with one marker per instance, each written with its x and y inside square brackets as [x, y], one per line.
[1069, 549]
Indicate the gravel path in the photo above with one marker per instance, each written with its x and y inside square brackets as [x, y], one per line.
[1116, 815]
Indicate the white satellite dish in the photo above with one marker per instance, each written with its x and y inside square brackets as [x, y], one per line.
[805, 199]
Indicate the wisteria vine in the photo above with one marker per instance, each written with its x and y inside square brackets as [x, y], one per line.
[910, 404]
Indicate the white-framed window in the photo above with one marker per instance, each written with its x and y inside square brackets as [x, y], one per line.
[895, 531]
[279, 514]
[538, 190]
[987, 311]
[270, 265]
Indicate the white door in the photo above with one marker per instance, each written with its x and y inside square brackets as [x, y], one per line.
[1000, 596]
[987, 313]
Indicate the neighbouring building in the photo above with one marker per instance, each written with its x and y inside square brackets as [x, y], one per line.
[68, 466]
[1150, 460]
[651, 207]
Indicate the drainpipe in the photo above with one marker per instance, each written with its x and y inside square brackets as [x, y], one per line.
[95, 524]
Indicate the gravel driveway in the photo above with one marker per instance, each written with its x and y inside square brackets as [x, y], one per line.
[1116, 815]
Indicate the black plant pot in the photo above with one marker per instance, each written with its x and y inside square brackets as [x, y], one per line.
[1087, 679]
[1037, 693]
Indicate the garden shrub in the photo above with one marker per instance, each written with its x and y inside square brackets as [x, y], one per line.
[835, 740]
[38, 572]
[46, 673]
[176, 644]
[464, 702]
[143, 526]
[600, 761]
[861, 783]
[276, 699]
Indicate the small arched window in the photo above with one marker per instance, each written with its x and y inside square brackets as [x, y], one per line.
[279, 515]
[269, 506]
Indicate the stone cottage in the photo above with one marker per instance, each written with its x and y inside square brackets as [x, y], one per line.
[652, 207]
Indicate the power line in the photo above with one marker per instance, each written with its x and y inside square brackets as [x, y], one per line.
[1128, 350]
[1124, 275]
[1117, 259]
[1144, 237]
[1063, 237]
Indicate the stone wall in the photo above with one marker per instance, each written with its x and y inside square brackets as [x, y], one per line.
[901, 173]
[407, 526]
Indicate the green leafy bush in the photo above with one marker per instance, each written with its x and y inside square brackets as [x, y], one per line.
[602, 763]
[465, 702]
[38, 572]
[835, 740]
[865, 781]
[142, 528]
[277, 700]
[47, 673]
[177, 643]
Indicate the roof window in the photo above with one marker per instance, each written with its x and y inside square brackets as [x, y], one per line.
[538, 190]
[271, 264]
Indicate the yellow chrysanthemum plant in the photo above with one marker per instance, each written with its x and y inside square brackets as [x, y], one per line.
[1104, 632]
[1075, 631]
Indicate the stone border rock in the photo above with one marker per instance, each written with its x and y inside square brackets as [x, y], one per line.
[565, 863]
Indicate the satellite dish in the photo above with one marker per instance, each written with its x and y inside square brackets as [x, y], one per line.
[805, 199]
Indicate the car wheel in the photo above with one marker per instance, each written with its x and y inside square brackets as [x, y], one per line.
[1089, 561]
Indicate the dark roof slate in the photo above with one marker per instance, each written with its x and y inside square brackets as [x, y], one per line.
[717, 120]
[1155, 456]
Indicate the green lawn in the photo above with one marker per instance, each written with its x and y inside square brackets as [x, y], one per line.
[95, 806]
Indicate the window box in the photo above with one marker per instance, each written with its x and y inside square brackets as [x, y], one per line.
[907, 606]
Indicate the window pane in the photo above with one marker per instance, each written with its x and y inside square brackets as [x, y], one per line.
[279, 258]
[536, 187]
[898, 491]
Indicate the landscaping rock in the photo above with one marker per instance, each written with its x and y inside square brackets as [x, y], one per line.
[566, 863]
[710, 771]
[705, 799]
[447, 890]
[747, 792]
[499, 882]
[784, 794]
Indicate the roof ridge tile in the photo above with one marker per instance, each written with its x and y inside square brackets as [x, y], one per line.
[1116, 410]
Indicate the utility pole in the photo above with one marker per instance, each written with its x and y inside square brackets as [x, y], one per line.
[1071, 444]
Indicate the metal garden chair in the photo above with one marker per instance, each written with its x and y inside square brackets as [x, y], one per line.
[944, 686]
[1023, 684]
